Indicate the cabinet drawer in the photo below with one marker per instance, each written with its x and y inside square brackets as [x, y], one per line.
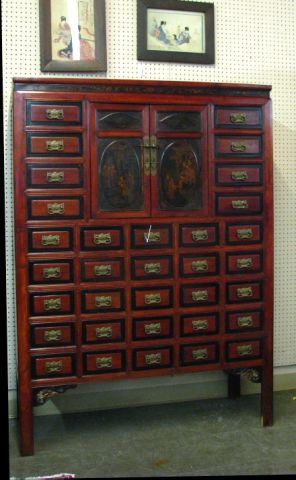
[52, 335]
[195, 295]
[51, 271]
[53, 366]
[43, 240]
[49, 145]
[196, 325]
[104, 362]
[195, 235]
[102, 300]
[40, 113]
[158, 297]
[196, 354]
[244, 321]
[56, 303]
[61, 176]
[147, 236]
[238, 146]
[244, 234]
[244, 262]
[101, 238]
[103, 332]
[151, 267]
[151, 328]
[239, 204]
[243, 350]
[238, 175]
[107, 270]
[146, 359]
[57, 208]
[244, 292]
[192, 265]
[238, 117]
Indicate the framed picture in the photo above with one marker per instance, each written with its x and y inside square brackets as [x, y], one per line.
[175, 31]
[72, 35]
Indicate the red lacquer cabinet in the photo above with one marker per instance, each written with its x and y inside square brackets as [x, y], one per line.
[144, 246]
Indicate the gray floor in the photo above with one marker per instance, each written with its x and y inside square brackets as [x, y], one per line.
[208, 437]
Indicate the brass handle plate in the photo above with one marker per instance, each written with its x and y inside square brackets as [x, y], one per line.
[246, 321]
[47, 240]
[146, 154]
[102, 238]
[56, 208]
[200, 354]
[199, 295]
[244, 292]
[239, 204]
[54, 367]
[52, 272]
[198, 235]
[244, 350]
[199, 266]
[102, 270]
[239, 176]
[52, 304]
[152, 268]
[55, 177]
[152, 237]
[200, 324]
[55, 114]
[153, 358]
[153, 155]
[238, 118]
[238, 147]
[55, 146]
[152, 298]
[104, 362]
[244, 263]
[52, 335]
[103, 301]
[152, 328]
[244, 233]
[103, 332]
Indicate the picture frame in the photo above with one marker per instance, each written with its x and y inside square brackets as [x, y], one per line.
[175, 31]
[72, 35]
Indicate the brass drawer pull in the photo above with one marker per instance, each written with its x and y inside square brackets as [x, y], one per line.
[152, 267]
[52, 272]
[238, 118]
[103, 301]
[103, 332]
[55, 177]
[54, 367]
[104, 362]
[152, 237]
[244, 233]
[55, 114]
[244, 262]
[152, 328]
[153, 358]
[102, 270]
[56, 208]
[246, 321]
[239, 176]
[152, 298]
[47, 240]
[199, 295]
[238, 147]
[198, 235]
[52, 304]
[102, 238]
[200, 354]
[200, 324]
[55, 146]
[199, 266]
[52, 335]
[239, 204]
[244, 292]
[244, 350]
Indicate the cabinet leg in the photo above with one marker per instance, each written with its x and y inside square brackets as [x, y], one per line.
[233, 385]
[26, 426]
[267, 396]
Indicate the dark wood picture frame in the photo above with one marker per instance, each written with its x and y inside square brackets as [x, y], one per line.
[98, 60]
[170, 52]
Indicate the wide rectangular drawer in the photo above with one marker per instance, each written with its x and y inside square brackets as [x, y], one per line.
[149, 359]
[244, 292]
[244, 233]
[101, 238]
[147, 236]
[53, 366]
[103, 332]
[245, 320]
[157, 297]
[54, 145]
[50, 240]
[238, 146]
[56, 303]
[238, 175]
[51, 335]
[196, 325]
[151, 328]
[56, 271]
[104, 362]
[56, 113]
[151, 267]
[193, 265]
[244, 262]
[102, 270]
[195, 235]
[57, 208]
[239, 204]
[200, 294]
[60, 176]
[243, 350]
[238, 117]
[197, 354]
[102, 300]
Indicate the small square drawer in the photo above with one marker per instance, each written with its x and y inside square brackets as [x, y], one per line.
[238, 175]
[57, 208]
[158, 297]
[105, 331]
[151, 267]
[151, 328]
[244, 292]
[245, 320]
[53, 366]
[196, 325]
[199, 353]
[55, 271]
[244, 233]
[51, 335]
[146, 359]
[50, 145]
[55, 303]
[195, 235]
[244, 262]
[60, 176]
[102, 270]
[193, 265]
[243, 350]
[238, 146]
[238, 117]
[102, 300]
[50, 240]
[45, 113]
[107, 361]
[239, 204]
[200, 294]
[147, 236]
[101, 238]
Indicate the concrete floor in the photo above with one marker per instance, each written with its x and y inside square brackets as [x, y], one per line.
[215, 437]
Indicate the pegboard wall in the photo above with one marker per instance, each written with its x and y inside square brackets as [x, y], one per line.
[255, 43]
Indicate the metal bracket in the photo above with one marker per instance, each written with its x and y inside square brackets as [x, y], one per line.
[41, 395]
[252, 374]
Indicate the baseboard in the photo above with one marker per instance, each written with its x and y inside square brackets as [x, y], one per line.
[148, 391]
